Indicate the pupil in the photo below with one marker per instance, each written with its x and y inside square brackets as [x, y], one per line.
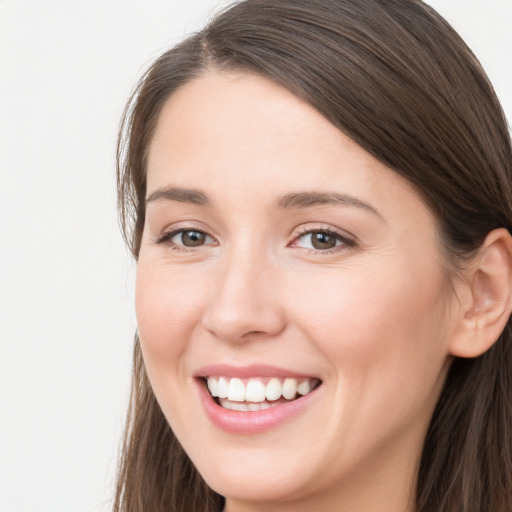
[192, 238]
[323, 241]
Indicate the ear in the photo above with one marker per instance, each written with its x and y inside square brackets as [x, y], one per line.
[487, 305]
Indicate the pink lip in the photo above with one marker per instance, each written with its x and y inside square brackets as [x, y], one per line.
[251, 422]
[243, 372]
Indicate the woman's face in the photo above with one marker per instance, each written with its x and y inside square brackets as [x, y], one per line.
[278, 253]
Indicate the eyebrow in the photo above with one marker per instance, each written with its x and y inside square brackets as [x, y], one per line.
[309, 199]
[295, 200]
[182, 195]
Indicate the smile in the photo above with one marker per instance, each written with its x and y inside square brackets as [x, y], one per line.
[256, 398]
[257, 393]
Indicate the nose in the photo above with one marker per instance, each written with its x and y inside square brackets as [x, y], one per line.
[244, 303]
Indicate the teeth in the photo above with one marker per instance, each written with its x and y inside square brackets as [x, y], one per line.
[274, 390]
[304, 387]
[213, 384]
[255, 392]
[245, 406]
[222, 388]
[237, 406]
[236, 390]
[289, 388]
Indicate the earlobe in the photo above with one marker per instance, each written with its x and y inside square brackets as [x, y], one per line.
[488, 310]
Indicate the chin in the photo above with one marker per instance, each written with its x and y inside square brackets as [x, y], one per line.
[256, 483]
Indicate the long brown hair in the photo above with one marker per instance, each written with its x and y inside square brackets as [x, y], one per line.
[396, 78]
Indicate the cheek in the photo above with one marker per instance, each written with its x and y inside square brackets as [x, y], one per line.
[384, 339]
[382, 326]
[167, 305]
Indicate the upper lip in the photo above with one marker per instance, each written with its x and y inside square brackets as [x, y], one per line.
[252, 370]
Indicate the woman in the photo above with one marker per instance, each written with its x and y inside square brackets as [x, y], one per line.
[318, 194]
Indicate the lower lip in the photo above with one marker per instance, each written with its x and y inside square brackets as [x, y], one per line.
[252, 422]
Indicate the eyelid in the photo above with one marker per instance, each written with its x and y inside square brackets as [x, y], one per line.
[347, 240]
[166, 236]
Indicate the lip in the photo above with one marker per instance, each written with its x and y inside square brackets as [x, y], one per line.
[245, 372]
[251, 422]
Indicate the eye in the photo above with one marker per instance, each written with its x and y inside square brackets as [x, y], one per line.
[183, 239]
[322, 240]
[190, 238]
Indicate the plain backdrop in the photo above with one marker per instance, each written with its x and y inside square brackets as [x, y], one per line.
[66, 282]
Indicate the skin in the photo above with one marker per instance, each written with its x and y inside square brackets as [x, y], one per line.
[374, 318]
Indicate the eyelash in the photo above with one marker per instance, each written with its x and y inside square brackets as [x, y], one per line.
[169, 235]
[346, 242]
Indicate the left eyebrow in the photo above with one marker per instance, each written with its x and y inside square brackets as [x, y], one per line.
[309, 199]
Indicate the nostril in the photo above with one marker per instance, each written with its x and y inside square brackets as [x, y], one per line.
[254, 334]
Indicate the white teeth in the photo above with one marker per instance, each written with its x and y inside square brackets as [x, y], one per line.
[236, 390]
[222, 388]
[239, 406]
[274, 389]
[289, 388]
[212, 386]
[304, 387]
[245, 406]
[255, 391]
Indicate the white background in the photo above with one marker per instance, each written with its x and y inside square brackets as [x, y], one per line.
[66, 282]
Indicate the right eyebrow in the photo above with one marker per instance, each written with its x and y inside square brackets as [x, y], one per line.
[182, 195]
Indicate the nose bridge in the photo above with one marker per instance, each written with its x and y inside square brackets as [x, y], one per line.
[244, 303]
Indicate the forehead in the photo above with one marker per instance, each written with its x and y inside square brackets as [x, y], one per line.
[239, 134]
[251, 116]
